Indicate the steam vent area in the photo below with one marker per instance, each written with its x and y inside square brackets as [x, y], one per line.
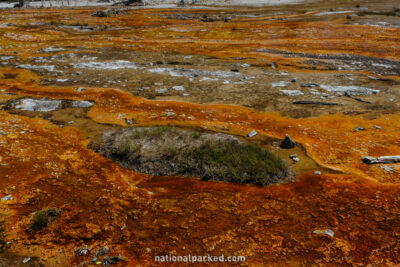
[200, 133]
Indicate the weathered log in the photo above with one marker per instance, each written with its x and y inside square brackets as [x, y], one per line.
[381, 160]
[306, 102]
[356, 98]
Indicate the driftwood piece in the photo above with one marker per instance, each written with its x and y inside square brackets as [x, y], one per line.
[306, 102]
[383, 159]
[356, 98]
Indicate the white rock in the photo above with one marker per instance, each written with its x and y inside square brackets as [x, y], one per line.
[113, 65]
[292, 92]
[178, 88]
[252, 133]
[327, 232]
[82, 104]
[8, 197]
[29, 104]
[280, 84]
[350, 90]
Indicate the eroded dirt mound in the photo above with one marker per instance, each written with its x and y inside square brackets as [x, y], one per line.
[172, 151]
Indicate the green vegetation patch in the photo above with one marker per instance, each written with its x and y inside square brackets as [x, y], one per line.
[236, 162]
[42, 218]
[177, 152]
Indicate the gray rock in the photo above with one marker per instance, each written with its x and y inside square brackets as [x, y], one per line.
[40, 105]
[82, 251]
[287, 143]
[377, 127]
[26, 260]
[107, 261]
[309, 85]
[273, 65]
[359, 128]
[80, 89]
[317, 173]
[101, 251]
[102, 14]
[181, 3]
[82, 104]
[171, 114]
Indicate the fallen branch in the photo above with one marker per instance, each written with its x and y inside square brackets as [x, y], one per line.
[355, 98]
[306, 102]
[383, 159]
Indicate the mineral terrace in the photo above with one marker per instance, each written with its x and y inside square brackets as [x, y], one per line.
[75, 80]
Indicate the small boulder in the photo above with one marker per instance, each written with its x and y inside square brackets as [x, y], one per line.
[287, 143]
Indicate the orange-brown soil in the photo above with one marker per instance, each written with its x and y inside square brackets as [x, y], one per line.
[43, 165]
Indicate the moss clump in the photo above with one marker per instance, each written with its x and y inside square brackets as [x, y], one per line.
[235, 162]
[42, 218]
[177, 152]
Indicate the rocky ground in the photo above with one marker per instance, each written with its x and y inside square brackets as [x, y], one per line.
[326, 73]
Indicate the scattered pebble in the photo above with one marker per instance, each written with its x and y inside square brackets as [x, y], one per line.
[82, 104]
[292, 92]
[295, 158]
[359, 128]
[82, 251]
[8, 197]
[171, 114]
[252, 133]
[387, 168]
[317, 173]
[26, 260]
[178, 88]
[327, 232]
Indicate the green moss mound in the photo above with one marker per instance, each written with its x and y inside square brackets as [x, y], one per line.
[176, 152]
